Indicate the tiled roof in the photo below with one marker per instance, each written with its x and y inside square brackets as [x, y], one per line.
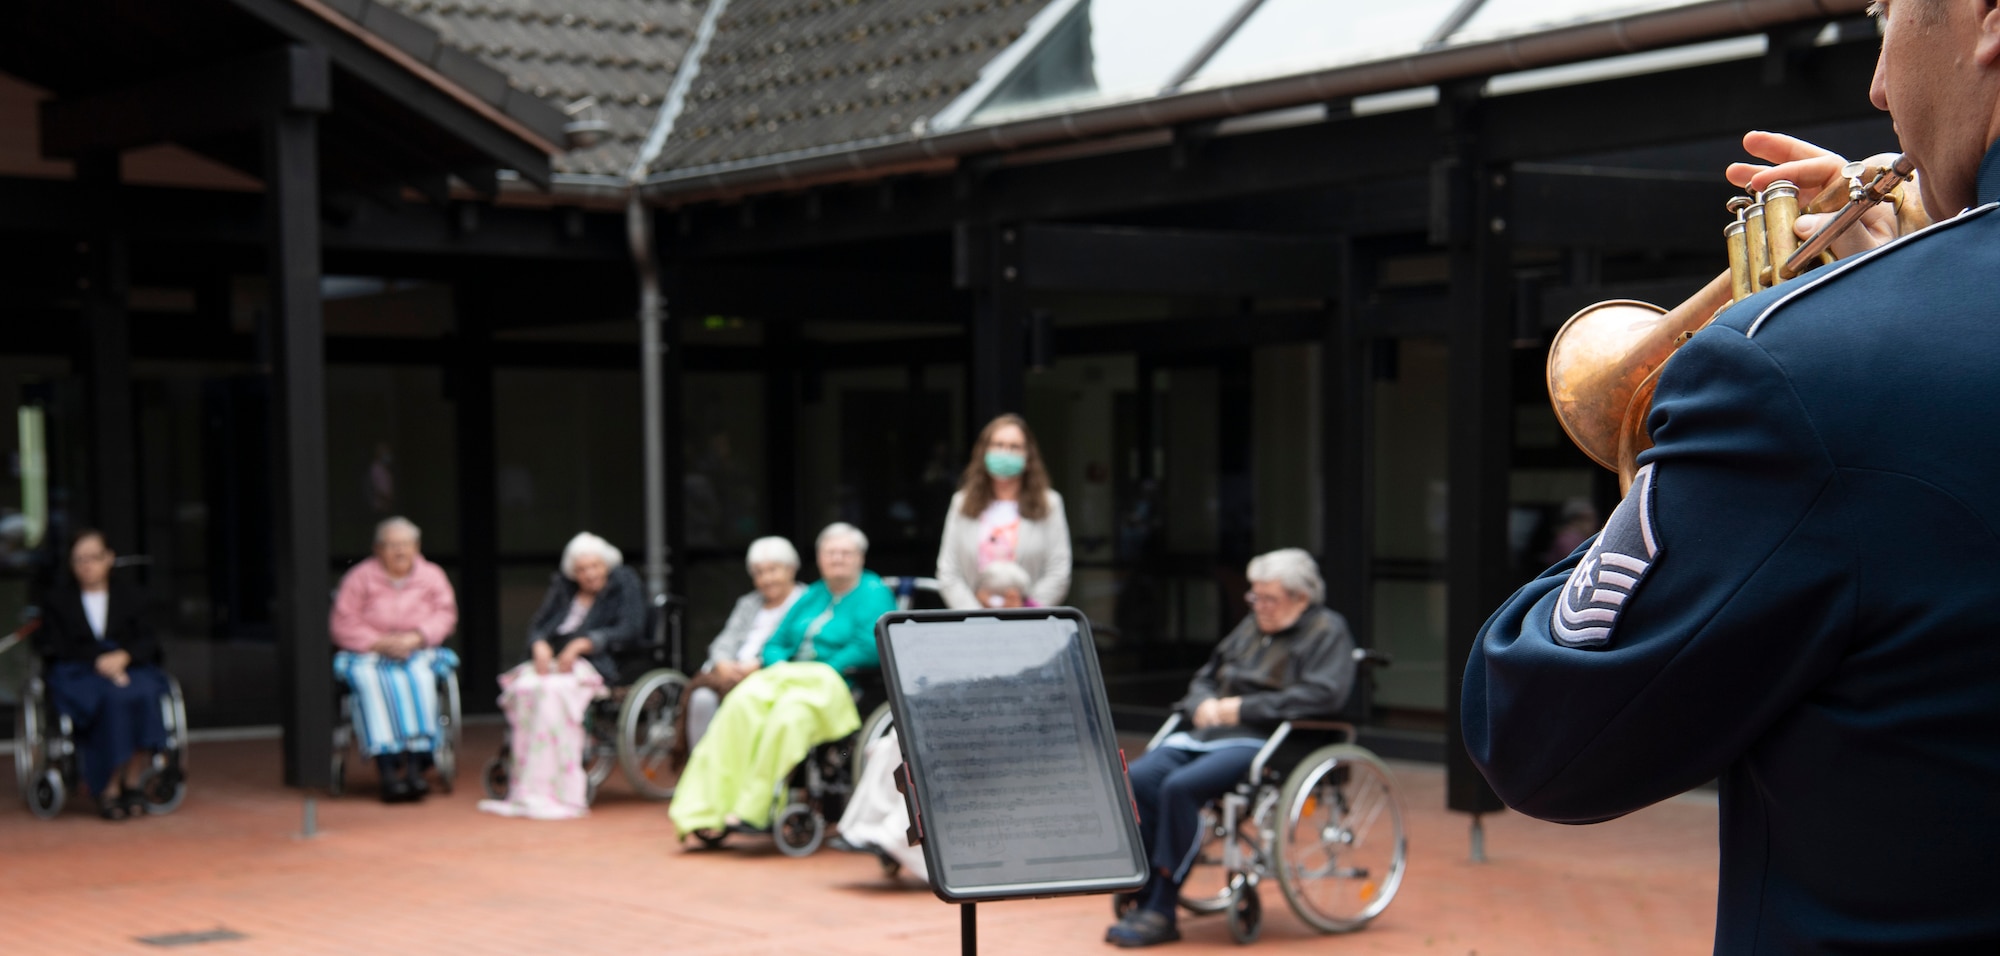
[785, 75]
[623, 52]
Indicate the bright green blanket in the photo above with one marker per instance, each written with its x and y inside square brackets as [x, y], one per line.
[765, 727]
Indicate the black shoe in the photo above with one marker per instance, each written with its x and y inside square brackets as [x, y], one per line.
[843, 845]
[419, 787]
[397, 790]
[1142, 927]
[745, 828]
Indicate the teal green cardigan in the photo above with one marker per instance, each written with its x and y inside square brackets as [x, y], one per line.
[847, 643]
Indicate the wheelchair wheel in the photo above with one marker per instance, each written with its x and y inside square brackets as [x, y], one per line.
[27, 741]
[46, 795]
[497, 776]
[451, 732]
[163, 786]
[174, 709]
[336, 783]
[1341, 848]
[1210, 885]
[646, 733]
[1246, 914]
[877, 726]
[799, 830]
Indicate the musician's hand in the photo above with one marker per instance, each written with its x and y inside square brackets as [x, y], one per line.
[1813, 170]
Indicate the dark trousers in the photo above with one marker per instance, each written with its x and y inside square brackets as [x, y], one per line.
[1172, 785]
[111, 722]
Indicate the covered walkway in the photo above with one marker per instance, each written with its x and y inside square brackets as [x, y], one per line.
[443, 878]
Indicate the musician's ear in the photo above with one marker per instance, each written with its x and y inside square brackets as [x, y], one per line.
[1987, 51]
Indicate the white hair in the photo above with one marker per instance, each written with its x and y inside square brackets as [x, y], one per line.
[771, 550]
[1004, 576]
[586, 543]
[1290, 568]
[842, 529]
[398, 523]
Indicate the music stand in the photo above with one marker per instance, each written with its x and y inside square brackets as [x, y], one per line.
[1011, 769]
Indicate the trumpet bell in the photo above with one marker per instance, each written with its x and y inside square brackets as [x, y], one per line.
[1592, 379]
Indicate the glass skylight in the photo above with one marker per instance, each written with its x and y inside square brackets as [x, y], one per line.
[1105, 51]
[1298, 36]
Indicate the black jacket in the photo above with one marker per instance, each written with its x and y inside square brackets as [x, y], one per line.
[65, 632]
[1306, 670]
[615, 622]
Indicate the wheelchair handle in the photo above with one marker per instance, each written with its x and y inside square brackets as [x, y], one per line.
[1370, 657]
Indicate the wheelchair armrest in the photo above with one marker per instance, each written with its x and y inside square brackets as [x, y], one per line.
[1370, 657]
[1285, 730]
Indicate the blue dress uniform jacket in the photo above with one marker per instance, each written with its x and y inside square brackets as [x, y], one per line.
[1800, 596]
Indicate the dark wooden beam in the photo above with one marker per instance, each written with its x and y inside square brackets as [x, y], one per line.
[299, 420]
[353, 55]
[106, 355]
[1474, 204]
[481, 644]
[223, 97]
[1000, 309]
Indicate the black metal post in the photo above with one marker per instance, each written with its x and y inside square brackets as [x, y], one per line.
[1347, 451]
[999, 329]
[1471, 198]
[780, 429]
[968, 929]
[305, 658]
[482, 647]
[106, 354]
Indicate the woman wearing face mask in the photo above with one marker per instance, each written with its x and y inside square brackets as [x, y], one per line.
[1005, 511]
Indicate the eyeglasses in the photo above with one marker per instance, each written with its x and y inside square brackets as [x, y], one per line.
[1253, 599]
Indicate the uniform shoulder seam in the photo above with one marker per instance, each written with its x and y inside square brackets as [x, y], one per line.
[1839, 269]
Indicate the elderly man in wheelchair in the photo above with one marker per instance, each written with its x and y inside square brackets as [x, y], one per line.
[1208, 809]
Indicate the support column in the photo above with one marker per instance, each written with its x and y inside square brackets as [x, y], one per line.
[1471, 198]
[999, 325]
[1347, 441]
[105, 357]
[298, 390]
[481, 645]
[781, 408]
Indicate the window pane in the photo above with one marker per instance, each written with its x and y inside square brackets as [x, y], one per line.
[1106, 51]
[1501, 18]
[1297, 36]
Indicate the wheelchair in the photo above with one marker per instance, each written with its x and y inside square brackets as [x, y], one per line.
[1329, 829]
[631, 727]
[444, 759]
[817, 789]
[47, 764]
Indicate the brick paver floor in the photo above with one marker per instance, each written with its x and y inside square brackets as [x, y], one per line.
[443, 878]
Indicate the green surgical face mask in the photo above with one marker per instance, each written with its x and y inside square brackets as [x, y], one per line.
[1006, 464]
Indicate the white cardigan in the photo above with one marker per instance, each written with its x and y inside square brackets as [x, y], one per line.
[1043, 551]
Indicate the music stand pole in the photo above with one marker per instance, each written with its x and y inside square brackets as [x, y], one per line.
[968, 929]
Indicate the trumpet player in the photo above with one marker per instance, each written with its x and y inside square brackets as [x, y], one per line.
[1800, 593]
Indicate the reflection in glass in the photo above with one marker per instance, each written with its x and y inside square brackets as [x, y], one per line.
[1297, 36]
[1500, 18]
[1105, 51]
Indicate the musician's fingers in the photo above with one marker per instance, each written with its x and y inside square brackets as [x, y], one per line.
[1739, 174]
[1777, 148]
[1877, 226]
[1810, 175]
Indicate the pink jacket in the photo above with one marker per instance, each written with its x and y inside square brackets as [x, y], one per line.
[370, 605]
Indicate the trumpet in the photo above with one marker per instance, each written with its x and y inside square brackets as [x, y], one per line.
[1605, 361]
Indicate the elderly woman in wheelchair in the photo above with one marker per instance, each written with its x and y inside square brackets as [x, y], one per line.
[101, 674]
[802, 696]
[594, 611]
[1203, 798]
